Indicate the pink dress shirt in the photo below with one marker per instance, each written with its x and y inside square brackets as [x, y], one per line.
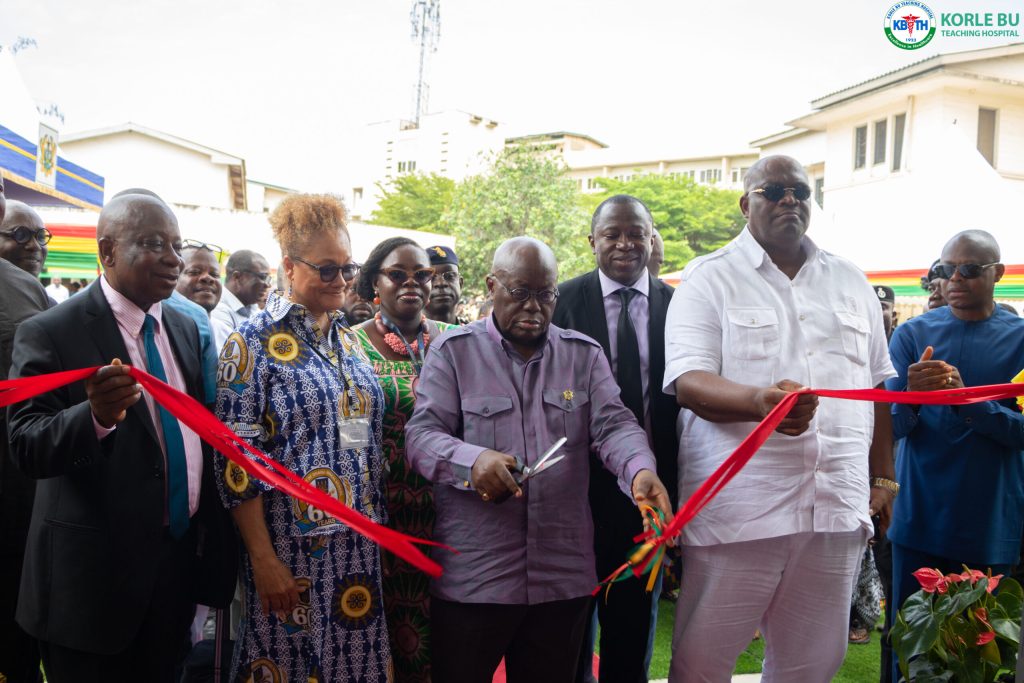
[129, 319]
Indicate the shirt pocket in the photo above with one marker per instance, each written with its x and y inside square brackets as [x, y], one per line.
[853, 334]
[481, 418]
[567, 414]
[754, 333]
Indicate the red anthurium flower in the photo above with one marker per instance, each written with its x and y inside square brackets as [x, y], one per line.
[985, 637]
[954, 578]
[993, 582]
[981, 614]
[972, 575]
[931, 580]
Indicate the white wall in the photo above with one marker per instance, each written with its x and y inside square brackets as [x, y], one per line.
[177, 174]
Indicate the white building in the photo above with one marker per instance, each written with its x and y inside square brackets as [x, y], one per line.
[722, 169]
[451, 143]
[915, 155]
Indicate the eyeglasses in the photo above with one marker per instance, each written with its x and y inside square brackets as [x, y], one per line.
[543, 296]
[774, 192]
[449, 276]
[968, 271]
[330, 273]
[196, 244]
[22, 234]
[401, 276]
[265, 278]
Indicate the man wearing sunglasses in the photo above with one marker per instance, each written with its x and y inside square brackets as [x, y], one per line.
[950, 455]
[493, 396]
[23, 238]
[766, 315]
[247, 282]
[21, 297]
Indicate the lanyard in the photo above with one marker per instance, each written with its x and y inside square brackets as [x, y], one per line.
[345, 377]
[419, 340]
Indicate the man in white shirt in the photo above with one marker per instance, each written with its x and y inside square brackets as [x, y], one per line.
[247, 281]
[778, 549]
[56, 290]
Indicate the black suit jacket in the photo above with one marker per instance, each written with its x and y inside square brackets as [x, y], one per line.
[581, 308]
[97, 521]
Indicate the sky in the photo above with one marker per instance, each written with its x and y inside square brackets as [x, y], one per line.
[289, 86]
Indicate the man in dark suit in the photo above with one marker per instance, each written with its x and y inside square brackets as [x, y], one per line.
[23, 296]
[623, 307]
[127, 533]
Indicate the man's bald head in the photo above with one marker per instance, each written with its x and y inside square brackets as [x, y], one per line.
[518, 252]
[978, 244]
[768, 166]
[523, 266]
[130, 210]
[138, 190]
[140, 248]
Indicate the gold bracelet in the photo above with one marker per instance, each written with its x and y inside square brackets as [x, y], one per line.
[887, 484]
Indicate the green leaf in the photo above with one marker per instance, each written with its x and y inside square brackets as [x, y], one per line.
[1007, 628]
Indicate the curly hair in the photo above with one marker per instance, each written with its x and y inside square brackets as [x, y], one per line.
[302, 217]
[371, 267]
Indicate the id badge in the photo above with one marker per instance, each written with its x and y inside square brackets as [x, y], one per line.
[354, 432]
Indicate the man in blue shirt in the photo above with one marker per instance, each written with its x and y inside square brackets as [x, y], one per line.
[961, 469]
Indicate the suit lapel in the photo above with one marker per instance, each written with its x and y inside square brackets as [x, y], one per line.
[593, 305]
[102, 327]
[186, 356]
[657, 300]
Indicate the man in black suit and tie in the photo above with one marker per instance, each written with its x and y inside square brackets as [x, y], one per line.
[623, 307]
[127, 533]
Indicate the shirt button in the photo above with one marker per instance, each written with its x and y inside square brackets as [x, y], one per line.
[803, 317]
[810, 353]
[753, 321]
[487, 411]
[967, 420]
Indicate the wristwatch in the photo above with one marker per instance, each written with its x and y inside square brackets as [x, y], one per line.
[887, 484]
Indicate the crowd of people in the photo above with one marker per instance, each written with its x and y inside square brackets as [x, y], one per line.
[527, 430]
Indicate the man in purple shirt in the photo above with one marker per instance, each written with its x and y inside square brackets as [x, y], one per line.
[492, 397]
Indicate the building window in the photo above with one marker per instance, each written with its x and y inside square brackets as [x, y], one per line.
[406, 166]
[860, 146]
[880, 134]
[819, 191]
[710, 175]
[987, 135]
[899, 122]
[357, 194]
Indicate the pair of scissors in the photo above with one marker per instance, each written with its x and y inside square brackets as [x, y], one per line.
[544, 463]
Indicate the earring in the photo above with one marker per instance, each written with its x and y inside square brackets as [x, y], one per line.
[289, 289]
[376, 298]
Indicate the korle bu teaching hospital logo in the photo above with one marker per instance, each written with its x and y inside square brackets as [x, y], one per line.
[909, 25]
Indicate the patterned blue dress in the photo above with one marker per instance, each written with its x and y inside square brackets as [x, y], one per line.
[279, 387]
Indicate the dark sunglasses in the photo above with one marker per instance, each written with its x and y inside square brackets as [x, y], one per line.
[543, 296]
[330, 273]
[22, 234]
[774, 192]
[400, 276]
[968, 271]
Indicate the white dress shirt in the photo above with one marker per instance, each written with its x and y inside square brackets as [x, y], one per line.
[735, 314]
[231, 311]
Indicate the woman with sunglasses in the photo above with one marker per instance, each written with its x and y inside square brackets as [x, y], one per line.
[23, 238]
[294, 382]
[397, 276]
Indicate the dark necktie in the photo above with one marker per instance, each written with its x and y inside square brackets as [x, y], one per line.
[177, 471]
[627, 371]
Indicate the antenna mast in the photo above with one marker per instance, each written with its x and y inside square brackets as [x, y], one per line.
[425, 18]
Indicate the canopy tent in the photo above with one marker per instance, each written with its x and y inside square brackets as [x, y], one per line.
[68, 184]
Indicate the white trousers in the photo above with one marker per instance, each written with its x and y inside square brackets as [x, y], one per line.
[795, 588]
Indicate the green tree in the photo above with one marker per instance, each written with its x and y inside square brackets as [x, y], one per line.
[416, 201]
[523, 193]
[693, 219]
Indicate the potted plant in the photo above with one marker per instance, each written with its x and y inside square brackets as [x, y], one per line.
[958, 628]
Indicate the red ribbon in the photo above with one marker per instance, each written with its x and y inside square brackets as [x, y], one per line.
[750, 445]
[196, 417]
